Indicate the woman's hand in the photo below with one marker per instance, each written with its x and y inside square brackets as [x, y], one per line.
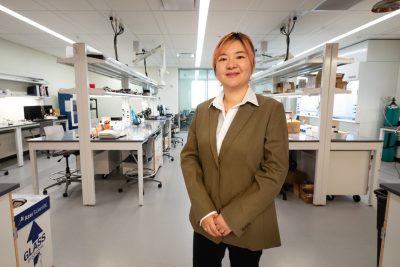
[209, 226]
[221, 225]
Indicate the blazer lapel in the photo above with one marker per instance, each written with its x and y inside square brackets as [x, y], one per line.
[213, 123]
[243, 115]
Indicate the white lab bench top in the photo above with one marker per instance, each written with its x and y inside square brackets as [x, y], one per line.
[17, 128]
[135, 137]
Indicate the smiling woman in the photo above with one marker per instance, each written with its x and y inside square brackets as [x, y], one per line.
[234, 163]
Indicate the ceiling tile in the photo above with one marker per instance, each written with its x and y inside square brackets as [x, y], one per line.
[220, 22]
[127, 5]
[262, 22]
[284, 5]
[140, 22]
[184, 22]
[65, 5]
[21, 5]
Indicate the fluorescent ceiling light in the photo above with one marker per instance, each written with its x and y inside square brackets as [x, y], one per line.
[35, 24]
[362, 27]
[201, 30]
[43, 28]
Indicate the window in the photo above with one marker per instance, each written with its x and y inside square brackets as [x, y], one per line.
[195, 87]
[198, 93]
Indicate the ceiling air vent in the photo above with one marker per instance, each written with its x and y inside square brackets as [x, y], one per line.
[331, 5]
[178, 4]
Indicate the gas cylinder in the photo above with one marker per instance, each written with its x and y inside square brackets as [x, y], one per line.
[392, 114]
[391, 119]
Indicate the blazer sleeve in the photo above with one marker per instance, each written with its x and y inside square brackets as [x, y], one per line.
[201, 204]
[268, 179]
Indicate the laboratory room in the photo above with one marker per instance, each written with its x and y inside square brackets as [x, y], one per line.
[182, 133]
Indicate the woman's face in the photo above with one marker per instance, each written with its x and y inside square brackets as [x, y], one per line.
[233, 67]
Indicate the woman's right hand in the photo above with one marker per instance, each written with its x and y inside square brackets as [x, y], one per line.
[208, 225]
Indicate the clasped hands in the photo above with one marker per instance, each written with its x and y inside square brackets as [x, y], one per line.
[215, 225]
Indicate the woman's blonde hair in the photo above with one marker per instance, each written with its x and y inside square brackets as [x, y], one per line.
[232, 36]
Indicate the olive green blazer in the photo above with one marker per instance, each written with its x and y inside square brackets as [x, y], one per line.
[243, 180]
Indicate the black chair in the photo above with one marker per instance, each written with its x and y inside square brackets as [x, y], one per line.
[289, 177]
[175, 128]
[148, 173]
[42, 124]
[166, 135]
[69, 175]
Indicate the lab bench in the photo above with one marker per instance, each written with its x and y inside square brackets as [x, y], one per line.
[354, 165]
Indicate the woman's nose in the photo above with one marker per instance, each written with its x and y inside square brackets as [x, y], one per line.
[231, 63]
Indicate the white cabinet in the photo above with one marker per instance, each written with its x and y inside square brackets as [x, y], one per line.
[390, 246]
[158, 152]
[106, 161]
[340, 167]
[348, 171]
[7, 252]
[8, 256]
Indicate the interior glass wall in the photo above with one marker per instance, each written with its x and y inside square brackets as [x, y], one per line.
[195, 86]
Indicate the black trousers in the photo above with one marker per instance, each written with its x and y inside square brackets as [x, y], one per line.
[208, 254]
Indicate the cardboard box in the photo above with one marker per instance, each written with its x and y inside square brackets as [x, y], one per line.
[341, 84]
[339, 76]
[318, 79]
[279, 88]
[307, 193]
[297, 190]
[288, 87]
[293, 126]
[296, 179]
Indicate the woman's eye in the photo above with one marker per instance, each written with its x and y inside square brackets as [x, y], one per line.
[222, 59]
[240, 57]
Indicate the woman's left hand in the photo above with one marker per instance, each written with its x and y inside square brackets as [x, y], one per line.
[221, 225]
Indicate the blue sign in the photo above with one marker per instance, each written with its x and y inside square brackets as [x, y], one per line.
[31, 213]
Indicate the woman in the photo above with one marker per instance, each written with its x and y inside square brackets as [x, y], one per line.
[234, 163]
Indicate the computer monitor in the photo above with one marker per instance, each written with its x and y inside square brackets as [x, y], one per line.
[33, 112]
[47, 109]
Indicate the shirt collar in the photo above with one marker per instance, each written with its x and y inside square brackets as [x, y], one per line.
[250, 96]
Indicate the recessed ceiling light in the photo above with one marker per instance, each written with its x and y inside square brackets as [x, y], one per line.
[185, 55]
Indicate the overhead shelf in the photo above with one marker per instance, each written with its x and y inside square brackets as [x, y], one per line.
[25, 79]
[307, 92]
[113, 69]
[293, 67]
[102, 92]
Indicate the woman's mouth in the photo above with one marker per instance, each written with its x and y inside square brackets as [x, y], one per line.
[232, 74]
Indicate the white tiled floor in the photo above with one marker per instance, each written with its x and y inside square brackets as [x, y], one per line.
[119, 233]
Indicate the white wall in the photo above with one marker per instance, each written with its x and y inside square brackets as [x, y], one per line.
[24, 61]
